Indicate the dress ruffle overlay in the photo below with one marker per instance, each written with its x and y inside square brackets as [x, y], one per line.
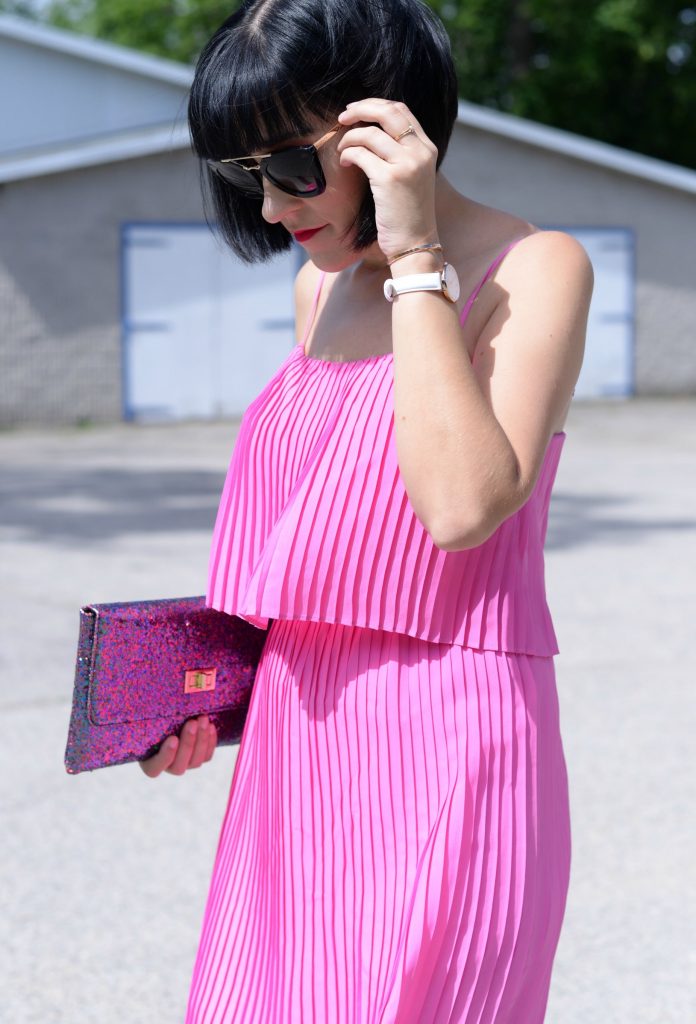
[396, 843]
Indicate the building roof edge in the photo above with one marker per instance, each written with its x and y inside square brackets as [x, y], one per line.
[103, 150]
[95, 50]
[577, 146]
[147, 141]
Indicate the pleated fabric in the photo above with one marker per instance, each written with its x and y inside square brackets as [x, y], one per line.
[396, 843]
[334, 538]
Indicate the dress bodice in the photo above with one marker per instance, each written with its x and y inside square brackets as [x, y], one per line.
[314, 523]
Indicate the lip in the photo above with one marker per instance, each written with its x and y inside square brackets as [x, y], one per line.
[304, 236]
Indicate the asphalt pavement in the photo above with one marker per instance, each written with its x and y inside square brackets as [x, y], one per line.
[105, 874]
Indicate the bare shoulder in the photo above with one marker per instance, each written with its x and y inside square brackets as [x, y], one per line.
[550, 260]
[541, 289]
[529, 351]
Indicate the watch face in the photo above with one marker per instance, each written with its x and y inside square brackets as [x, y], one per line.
[450, 280]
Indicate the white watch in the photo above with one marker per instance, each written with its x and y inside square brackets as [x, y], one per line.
[445, 281]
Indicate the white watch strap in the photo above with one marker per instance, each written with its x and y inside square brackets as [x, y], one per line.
[413, 283]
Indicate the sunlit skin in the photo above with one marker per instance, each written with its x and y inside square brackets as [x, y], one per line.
[503, 382]
[434, 201]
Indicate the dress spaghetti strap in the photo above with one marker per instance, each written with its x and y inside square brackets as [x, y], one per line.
[465, 311]
[494, 265]
[313, 310]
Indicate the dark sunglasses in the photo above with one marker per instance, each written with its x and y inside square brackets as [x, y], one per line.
[296, 170]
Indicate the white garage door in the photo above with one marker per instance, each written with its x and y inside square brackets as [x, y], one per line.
[202, 332]
[607, 369]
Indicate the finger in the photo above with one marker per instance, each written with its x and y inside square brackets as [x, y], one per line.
[160, 761]
[375, 139]
[200, 747]
[359, 156]
[212, 741]
[392, 115]
[187, 741]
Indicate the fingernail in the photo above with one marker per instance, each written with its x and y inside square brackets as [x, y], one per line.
[171, 743]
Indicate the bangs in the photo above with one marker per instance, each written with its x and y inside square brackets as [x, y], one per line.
[277, 70]
[241, 105]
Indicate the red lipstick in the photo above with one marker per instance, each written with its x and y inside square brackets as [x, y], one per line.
[304, 236]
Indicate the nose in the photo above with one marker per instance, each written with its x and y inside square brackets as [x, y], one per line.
[276, 203]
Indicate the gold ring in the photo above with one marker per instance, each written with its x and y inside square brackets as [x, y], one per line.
[409, 131]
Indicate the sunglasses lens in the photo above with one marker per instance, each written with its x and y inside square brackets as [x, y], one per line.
[297, 172]
[246, 181]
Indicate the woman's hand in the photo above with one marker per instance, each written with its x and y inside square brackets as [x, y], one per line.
[401, 174]
[176, 755]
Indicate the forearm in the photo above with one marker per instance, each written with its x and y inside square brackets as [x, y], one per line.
[458, 468]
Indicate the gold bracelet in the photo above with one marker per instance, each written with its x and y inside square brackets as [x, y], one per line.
[434, 246]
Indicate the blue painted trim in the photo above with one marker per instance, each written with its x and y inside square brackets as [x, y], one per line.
[150, 326]
[126, 411]
[633, 286]
[183, 224]
[143, 243]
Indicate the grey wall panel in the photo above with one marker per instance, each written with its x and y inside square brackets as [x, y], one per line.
[48, 98]
[60, 282]
[60, 343]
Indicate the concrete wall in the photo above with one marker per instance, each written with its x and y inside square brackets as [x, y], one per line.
[60, 346]
[552, 190]
[48, 97]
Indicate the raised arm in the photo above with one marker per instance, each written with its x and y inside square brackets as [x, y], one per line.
[471, 437]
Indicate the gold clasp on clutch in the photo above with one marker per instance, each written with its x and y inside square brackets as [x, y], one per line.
[198, 679]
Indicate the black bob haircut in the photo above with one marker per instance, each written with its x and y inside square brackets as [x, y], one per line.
[275, 64]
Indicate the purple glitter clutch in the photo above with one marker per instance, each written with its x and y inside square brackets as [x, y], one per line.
[144, 667]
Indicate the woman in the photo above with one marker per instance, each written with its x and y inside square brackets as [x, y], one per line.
[396, 842]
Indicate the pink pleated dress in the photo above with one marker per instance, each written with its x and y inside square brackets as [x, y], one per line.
[396, 843]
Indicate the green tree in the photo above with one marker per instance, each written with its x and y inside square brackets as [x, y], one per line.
[622, 71]
[176, 29]
[23, 8]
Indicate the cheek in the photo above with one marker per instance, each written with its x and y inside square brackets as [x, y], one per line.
[345, 189]
[356, 182]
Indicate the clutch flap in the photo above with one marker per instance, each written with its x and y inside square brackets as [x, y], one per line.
[164, 658]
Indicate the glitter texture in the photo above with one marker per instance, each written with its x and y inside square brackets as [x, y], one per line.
[130, 677]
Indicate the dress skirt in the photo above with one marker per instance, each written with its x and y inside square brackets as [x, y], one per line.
[396, 843]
